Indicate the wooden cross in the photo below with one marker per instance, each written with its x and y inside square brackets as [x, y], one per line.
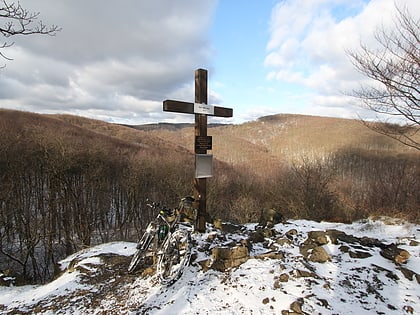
[202, 141]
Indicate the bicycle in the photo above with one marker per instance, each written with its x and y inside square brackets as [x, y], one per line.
[168, 237]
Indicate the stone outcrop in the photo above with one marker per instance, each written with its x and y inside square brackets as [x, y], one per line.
[312, 248]
[282, 267]
[224, 258]
[319, 254]
[397, 255]
[227, 255]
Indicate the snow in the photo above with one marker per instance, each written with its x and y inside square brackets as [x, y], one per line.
[344, 285]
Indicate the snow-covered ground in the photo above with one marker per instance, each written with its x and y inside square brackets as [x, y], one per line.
[95, 280]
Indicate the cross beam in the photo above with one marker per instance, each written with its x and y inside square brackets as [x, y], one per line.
[188, 108]
[201, 111]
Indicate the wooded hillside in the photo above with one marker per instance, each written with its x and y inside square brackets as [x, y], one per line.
[67, 182]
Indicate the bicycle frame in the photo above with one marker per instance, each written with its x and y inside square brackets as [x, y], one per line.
[157, 238]
[154, 226]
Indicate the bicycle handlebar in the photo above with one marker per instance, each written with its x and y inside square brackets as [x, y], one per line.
[166, 211]
[162, 210]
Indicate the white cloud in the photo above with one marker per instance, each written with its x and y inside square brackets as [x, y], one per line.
[309, 39]
[108, 56]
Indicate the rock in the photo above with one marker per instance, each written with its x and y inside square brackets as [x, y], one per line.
[397, 255]
[311, 248]
[318, 237]
[409, 274]
[305, 249]
[359, 254]
[227, 257]
[344, 248]
[320, 255]
[247, 243]
[289, 234]
[283, 241]
[270, 255]
[268, 232]
[228, 227]
[211, 237]
[284, 277]
[266, 300]
[305, 274]
[370, 242]
[414, 243]
[218, 223]
[257, 236]
[408, 309]
[205, 264]
[270, 217]
[296, 306]
[323, 302]
[388, 273]
[336, 236]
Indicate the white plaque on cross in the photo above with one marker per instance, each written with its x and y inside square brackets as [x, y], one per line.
[203, 109]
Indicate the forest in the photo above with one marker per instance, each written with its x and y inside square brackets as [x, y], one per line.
[68, 182]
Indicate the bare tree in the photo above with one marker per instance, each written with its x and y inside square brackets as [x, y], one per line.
[395, 70]
[15, 20]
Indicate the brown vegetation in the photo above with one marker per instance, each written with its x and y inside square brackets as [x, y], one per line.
[313, 167]
[67, 182]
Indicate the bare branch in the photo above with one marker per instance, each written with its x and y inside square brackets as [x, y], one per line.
[15, 20]
[395, 72]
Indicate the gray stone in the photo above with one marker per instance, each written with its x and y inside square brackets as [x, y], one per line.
[414, 243]
[270, 255]
[225, 258]
[320, 255]
[397, 255]
[359, 254]
[305, 274]
[296, 306]
[284, 277]
[283, 241]
[319, 237]
[289, 234]
[257, 236]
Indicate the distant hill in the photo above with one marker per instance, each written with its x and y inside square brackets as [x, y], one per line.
[282, 138]
[274, 139]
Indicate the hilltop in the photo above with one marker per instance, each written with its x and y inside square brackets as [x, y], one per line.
[356, 277]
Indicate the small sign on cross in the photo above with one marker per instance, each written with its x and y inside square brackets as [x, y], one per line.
[203, 109]
[202, 142]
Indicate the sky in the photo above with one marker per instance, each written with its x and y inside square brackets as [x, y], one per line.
[119, 63]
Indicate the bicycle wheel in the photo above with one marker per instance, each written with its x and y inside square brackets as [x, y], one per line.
[142, 248]
[138, 256]
[176, 253]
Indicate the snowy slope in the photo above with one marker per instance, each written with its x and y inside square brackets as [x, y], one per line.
[95, 281]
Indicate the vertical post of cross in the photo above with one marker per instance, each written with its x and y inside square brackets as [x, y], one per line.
[202, 142]
[200, 184]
